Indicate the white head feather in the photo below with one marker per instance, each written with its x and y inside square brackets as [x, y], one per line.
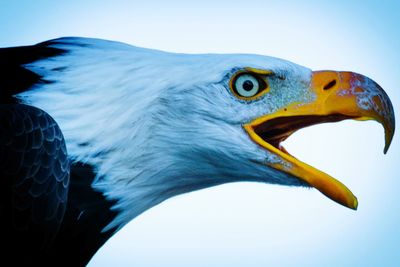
[157, 124]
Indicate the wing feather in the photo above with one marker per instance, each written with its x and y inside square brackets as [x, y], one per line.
[34, 173]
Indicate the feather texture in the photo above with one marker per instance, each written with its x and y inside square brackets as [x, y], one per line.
[157, 124]
[34, 171]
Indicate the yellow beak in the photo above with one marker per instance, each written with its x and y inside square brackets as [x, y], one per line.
[339, 96]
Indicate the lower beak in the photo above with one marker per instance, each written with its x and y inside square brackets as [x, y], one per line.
[339, 96]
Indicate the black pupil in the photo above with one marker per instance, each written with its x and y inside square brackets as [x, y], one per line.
[248, 85]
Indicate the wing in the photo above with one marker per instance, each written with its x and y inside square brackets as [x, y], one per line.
[36, 222]
[34, 178]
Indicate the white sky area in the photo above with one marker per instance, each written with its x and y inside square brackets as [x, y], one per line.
[253, 224]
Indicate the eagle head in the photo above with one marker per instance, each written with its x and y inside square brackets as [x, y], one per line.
[159, 124]
[224, 118]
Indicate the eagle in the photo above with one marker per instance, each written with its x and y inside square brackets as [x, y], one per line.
[95, 132]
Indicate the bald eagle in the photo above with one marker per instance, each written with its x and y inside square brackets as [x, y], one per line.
[95, 132]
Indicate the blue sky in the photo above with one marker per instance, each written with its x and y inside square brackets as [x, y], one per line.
[249, 224]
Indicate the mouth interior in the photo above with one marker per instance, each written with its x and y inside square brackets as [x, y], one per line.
[277, 130]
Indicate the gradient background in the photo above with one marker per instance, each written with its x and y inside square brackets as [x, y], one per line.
[248, 224]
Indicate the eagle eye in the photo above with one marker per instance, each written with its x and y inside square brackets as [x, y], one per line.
[248, 86]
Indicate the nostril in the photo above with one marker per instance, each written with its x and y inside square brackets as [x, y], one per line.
[330, 85]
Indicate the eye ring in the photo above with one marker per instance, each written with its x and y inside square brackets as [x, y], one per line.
[248, 85]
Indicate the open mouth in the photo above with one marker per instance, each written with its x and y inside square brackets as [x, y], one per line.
[339, 102]
[277, 130]
[271, 132]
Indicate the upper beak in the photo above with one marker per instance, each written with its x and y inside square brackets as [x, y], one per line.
[339, 96]
[356, 96]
